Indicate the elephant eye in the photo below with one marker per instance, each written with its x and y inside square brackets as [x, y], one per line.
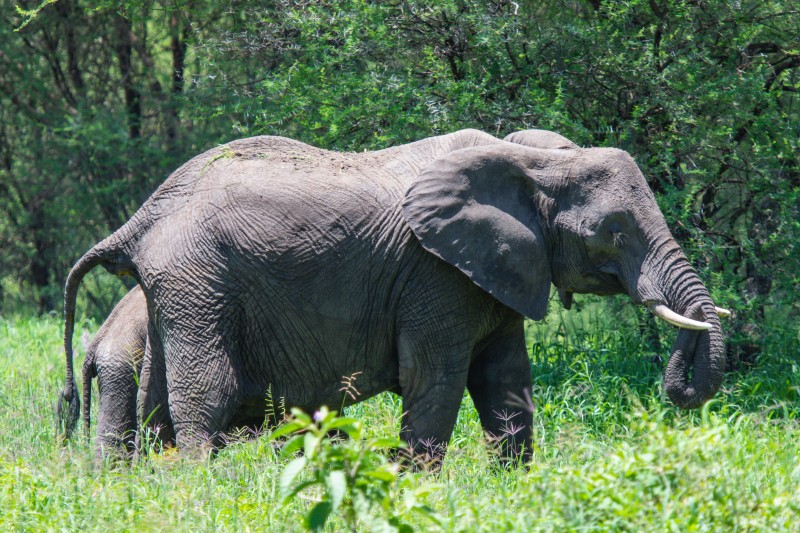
[619, 239]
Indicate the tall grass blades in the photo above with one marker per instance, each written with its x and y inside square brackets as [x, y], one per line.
[609, 453]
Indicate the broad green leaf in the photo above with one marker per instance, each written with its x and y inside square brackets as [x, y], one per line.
[285, 429]
[315, 520]
[336, 483]
[292, 445]
[341, 422]
[301, 416]
[289, 474]
[382, 474]
[310, 443]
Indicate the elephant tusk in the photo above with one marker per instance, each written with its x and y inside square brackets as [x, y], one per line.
[671, 317]
[722, 312]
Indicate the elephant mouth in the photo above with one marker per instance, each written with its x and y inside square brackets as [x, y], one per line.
[599, 283]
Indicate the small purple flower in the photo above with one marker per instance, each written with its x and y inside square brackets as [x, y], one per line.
[318, 416]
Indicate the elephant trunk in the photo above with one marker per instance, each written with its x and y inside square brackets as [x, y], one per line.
[697, 363]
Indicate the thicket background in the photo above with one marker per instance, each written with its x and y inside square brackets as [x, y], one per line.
[100, 100]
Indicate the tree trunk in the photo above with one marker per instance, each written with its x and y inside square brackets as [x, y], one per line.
[133, 103]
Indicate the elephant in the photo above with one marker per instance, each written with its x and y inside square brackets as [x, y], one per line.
[116, 353]
[114, 357]
[269, 264]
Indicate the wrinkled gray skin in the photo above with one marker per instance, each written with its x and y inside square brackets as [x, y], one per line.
[115, 357]
[117, 350]
[271, 263]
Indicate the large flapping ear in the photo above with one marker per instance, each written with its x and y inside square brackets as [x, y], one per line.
[541, 139]
[476, 209]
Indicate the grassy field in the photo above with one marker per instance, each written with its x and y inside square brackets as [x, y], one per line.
[610, 454]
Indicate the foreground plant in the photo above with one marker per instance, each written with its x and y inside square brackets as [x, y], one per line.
[350, 476]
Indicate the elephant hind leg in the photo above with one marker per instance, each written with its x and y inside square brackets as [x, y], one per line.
[499, 383]
[116, 421]
[204, 394]
[155, 424]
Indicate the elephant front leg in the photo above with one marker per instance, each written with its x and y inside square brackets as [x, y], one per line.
[499, 383]
[432, 388]
[430, 409]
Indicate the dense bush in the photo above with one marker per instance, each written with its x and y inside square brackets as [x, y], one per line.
[100, 101]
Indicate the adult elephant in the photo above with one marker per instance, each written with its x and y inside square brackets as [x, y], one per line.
[116, 354]
[268, 263]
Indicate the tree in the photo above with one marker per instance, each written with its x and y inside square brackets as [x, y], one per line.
[90, 120]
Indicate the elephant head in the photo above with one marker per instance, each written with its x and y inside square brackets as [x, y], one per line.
[517, 216]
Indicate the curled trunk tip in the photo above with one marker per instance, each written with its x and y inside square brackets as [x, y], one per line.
[697, 365]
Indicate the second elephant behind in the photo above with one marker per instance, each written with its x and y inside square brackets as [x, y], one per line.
[115, 357]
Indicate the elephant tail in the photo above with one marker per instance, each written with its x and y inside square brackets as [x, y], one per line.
[109, 253]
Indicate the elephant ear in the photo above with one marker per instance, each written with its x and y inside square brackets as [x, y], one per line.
[476, 209]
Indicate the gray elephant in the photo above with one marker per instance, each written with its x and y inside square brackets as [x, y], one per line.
[268, 263]
[117, 350]
[116, 358]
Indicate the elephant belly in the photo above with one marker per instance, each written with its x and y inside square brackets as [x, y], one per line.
[318, 317]
[305, 353]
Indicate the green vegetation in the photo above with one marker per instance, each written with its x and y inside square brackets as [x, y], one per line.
[609, 453]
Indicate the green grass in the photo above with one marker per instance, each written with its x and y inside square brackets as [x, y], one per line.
[610, 454]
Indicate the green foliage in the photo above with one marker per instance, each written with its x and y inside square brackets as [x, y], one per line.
[353, 475]
[90, 122]
[703, 94]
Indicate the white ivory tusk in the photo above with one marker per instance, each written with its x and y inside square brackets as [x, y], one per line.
[722, 312]
[671, 317]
